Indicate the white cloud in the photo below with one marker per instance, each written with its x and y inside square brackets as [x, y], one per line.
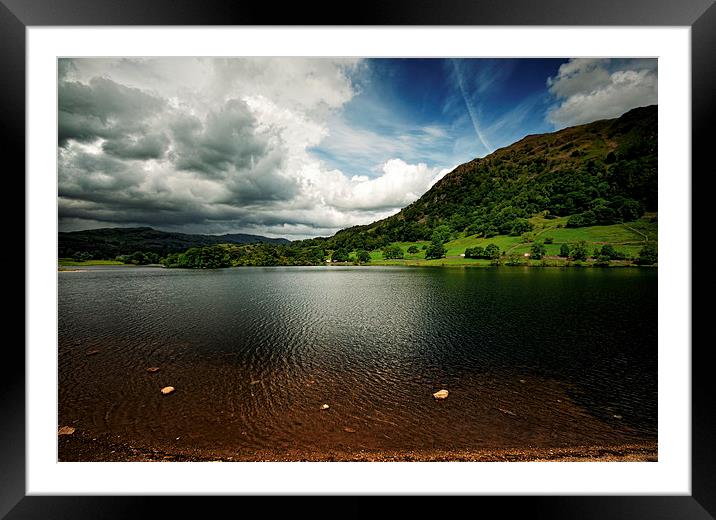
[592, 89]
[398, 185]
[225, 146]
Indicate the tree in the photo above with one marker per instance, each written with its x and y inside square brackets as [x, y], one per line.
[548, 240]
[538, 251]
[489, 231]
[475, 252]
[564, 250]
[582, 219]
[362, 256]
[435, 250]
[214, 257]
[580, 252]
[609, 252]
[442, 233]
[340, 255]
[520, 226]
[138, 258]
[210, 257]
[392, 251]
[412, 249]
[492, 251]
[647, 254]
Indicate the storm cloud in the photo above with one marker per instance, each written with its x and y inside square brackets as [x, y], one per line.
[215, 145]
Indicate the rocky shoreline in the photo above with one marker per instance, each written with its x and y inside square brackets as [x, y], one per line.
[81, 448]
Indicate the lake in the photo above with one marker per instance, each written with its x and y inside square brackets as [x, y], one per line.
[531, 357]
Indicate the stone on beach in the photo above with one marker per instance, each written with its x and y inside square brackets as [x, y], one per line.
[152, 370]
[167, 390]
[324, 407]
[441, 394]
[66, 430]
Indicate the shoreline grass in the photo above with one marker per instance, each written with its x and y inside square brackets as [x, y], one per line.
[69, 262]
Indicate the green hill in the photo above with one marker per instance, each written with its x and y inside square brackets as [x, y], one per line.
[600, 173]
[108, 243]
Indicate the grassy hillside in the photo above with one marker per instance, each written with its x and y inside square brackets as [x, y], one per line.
[601, 173]
[627, 239]
[626, 242]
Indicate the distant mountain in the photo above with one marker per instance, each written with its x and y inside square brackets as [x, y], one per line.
[111, 242]
[597, 173]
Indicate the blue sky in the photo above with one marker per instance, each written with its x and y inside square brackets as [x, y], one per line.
[441, 111]
[303, 147]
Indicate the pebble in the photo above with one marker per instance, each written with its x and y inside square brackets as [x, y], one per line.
[168, 390]
[152, 370]
[66, 430]
[92, 352]
[441, 394]
[348, 430]
[324, 407]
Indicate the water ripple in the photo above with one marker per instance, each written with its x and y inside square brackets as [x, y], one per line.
[531, 358]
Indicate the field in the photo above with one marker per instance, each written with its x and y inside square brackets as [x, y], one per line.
[67, 262]
[627, 238]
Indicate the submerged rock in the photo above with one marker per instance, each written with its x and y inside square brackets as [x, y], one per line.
[66, 430]
[152, 370]
[441, 394]
[324, 407]
[168, 390]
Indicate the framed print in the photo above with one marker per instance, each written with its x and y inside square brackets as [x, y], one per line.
[414, 252]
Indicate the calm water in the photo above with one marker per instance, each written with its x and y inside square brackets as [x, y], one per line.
[531, 357]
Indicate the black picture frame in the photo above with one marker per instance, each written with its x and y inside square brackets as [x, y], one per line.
[17, 15]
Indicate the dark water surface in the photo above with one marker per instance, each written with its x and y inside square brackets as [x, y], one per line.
[532, 357]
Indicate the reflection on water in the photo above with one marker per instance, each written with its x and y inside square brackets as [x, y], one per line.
[531, 357]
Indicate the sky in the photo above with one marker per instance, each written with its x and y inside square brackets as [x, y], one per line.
[303, 147]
